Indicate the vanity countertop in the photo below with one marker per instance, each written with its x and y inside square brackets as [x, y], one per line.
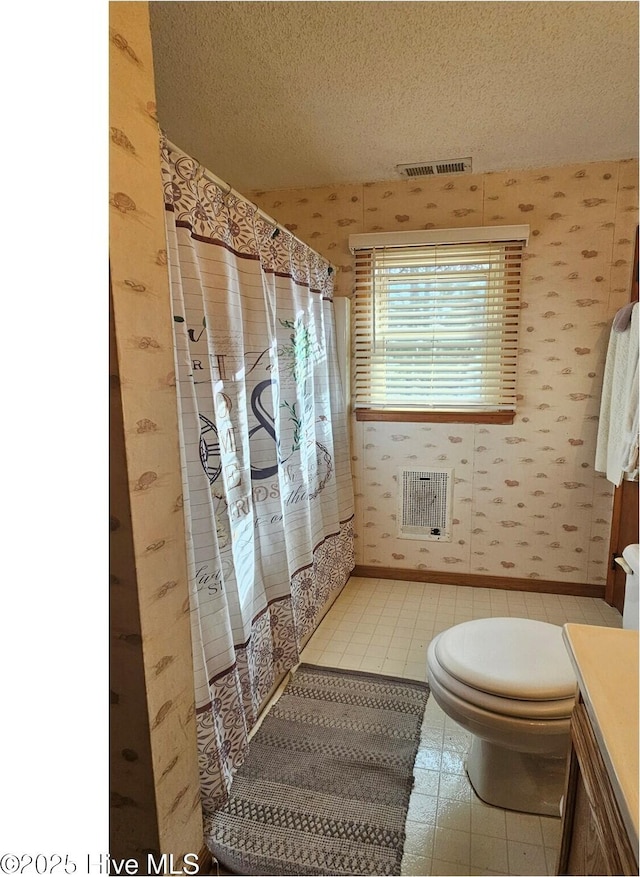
[606, 663]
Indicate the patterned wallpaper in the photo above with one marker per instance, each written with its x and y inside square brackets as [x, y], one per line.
[155, 788]
[527, 502]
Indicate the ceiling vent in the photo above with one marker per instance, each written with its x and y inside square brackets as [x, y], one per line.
[435, 168]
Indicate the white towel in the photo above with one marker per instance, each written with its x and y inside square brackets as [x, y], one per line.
[623, 318]
[617, 443]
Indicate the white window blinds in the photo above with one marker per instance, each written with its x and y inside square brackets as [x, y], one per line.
[436, 324]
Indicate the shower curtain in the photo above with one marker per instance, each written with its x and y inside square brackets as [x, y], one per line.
[267, 494]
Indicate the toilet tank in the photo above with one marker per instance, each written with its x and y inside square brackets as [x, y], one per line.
[631, 595]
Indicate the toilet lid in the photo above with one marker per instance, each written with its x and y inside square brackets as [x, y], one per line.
[511, 657]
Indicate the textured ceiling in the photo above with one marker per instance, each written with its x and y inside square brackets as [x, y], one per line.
[271, 95]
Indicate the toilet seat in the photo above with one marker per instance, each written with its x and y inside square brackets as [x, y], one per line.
[508, 666]
[515, 658]
[523, 733]
[531, 710]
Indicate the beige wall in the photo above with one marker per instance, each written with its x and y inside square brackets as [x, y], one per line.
[527, 501]
[155, 796]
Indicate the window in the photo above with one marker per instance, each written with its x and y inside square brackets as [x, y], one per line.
[436, 324]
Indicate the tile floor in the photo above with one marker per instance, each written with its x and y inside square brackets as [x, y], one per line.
[385, 626]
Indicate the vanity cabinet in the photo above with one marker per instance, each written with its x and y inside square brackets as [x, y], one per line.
[600, 818]
[594, 837]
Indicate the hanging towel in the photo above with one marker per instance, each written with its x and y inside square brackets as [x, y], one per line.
[623, 318]
[617, 443]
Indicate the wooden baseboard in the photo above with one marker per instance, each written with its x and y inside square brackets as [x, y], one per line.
[503, 583]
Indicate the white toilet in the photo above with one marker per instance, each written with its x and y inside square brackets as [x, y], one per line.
[509, 681]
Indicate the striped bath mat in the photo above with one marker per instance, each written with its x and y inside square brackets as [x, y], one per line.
[325, 786]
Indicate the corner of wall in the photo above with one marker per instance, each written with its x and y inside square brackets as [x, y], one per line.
[158, 642]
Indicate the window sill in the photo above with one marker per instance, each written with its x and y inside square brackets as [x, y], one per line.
[435, 416]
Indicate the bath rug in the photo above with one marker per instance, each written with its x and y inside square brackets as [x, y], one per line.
[325, 785]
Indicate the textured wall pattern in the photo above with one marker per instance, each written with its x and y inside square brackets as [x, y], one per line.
[142, 320]
[527, 500]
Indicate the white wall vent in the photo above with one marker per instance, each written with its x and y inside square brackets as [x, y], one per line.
[425, 504]
[435, 168]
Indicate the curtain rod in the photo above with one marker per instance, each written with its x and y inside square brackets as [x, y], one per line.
[229, 190]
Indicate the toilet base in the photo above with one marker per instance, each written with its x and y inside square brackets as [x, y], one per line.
[522, 781]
